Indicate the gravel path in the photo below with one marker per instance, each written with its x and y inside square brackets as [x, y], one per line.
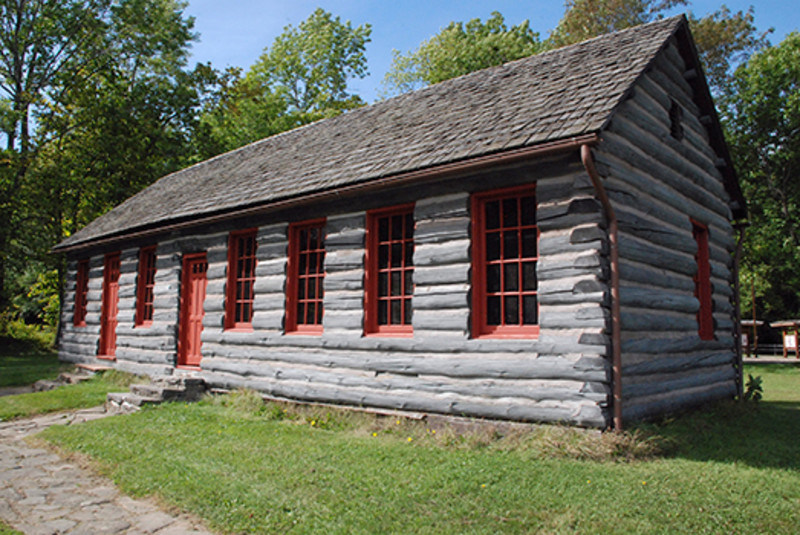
[42, 494]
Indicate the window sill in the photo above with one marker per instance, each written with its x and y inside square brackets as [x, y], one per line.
[390, 334]
[107, 357]
[529, 333]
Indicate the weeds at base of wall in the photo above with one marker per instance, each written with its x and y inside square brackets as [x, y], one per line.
[537, 441]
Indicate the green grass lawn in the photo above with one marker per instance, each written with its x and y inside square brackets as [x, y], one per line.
[23, 362]
[89, 393]
[252, 468]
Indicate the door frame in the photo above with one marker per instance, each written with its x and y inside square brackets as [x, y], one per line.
[180, 357]
[109, 307]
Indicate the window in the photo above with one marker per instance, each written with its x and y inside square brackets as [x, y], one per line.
[390, 271]
[241, 277]
[306, 273]
[505, 241]
[81, 293]
[144, 286]
[702, 282]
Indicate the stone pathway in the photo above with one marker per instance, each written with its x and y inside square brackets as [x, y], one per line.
[41, 494]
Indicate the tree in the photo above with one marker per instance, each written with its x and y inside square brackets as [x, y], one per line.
[41, 42]
[116, 116]
[584, 19]
[724, 39]
[761, 113]
[301, 78]
[460, 49]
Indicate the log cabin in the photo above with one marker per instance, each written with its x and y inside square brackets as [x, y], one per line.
[549, 240]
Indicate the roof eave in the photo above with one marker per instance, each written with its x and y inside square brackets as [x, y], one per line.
[460, 167]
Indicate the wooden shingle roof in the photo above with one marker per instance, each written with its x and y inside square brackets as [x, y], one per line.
[556, 95]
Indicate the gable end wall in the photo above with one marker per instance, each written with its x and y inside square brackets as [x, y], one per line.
[656, 183]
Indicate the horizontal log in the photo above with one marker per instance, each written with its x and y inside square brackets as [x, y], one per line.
[666, 383]
[449, 274]
[637, 319]
[352, 280]
[437, 254]
[639, 409]
[441, 230]
[146, 356]
[658, 299]
[510, 409]
[454, 205]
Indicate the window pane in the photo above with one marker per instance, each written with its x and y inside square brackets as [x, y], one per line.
[301, 313]
[408, 285]
[397, 227]
[312, 263]
[312, 288]
[531, 310]
[510, 213]
[529, 276]
[301, 289]
[528, 207]
[511, 303]
[302, 265]
[383, 284]
[312, 312]
[303, 239]
[396, 312]
[529, 245]
[407, 311]
[383, 315]
[319, 314]
[511, 277]
[493, 310]
[383, 229]
[493, 278]
[383, 256]
[396, 280]
[409, 253]
[510, 244]
[320, 288]
[313, 236]
[492, 213]
[397, 254]
[492, 246]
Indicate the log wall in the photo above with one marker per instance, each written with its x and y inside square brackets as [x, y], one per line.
[656, 184]
[561, 376]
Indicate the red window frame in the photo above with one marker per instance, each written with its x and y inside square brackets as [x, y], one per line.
[145, 284]
[702, 282]
[389, 278]
[81, 294]
[241, 279]
[504, 281]
[306, 275]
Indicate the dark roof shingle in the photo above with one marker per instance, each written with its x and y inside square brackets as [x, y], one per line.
[554, 95]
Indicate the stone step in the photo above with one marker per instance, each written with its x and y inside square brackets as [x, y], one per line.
[74, 378]
[132, 399]
[165, 393]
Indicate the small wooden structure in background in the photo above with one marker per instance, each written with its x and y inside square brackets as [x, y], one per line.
[749, 337]
[790, 329]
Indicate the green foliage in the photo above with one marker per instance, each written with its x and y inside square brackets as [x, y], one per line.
[761, 112]
[753, 389]
[723, 38]
[584, 19]
[460, 49]
[301, 78]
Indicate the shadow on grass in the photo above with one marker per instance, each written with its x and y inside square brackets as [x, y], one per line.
[23, 362]
[762, 435]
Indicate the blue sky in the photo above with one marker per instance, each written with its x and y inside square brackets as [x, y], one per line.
[235, 32]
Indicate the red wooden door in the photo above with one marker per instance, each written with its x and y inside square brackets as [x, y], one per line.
[193, 294]
[110, 307]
